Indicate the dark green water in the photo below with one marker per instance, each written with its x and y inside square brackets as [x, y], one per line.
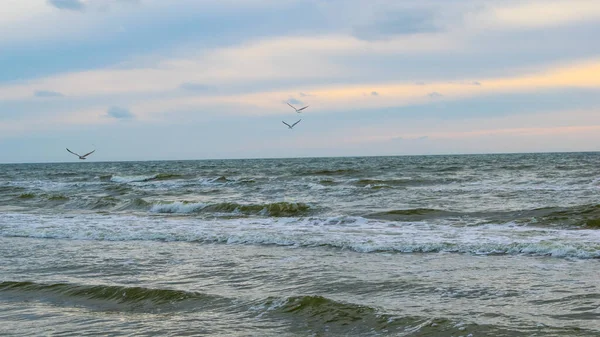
[489, 245]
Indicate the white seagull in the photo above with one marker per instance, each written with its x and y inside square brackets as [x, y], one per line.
[297, 110]
[81, 157]
[291, 126]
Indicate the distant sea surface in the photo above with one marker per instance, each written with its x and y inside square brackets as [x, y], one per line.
[471, 245]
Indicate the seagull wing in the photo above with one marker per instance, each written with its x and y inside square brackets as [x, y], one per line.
[296, 123]
[286, 124]
[87, 154]
[292, 106]
[302, 108]
[73, 152]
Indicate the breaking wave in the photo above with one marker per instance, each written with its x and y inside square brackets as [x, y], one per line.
[278, 209]
[142, 178]
[345, 233]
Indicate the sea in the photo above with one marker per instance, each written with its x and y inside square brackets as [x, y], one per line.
[456, 245]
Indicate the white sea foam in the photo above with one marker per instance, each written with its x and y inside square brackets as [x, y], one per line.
[177, 207]
[131, 179]
[222, 180]
[357, 234]
[49, 186]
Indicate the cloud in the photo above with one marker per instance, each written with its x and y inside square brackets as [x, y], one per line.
[293, 100]
[196, 86]
[47, 93]
[119, 113]
[374, 93]
[538, 14]
[271, 62]
[434, 94]
[72, 5]
[305, 95]
[477, 83]
[397, 22]
[409, 138]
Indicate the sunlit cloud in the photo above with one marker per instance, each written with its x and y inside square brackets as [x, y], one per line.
[297, 58]
[538, 14]
[327, 98]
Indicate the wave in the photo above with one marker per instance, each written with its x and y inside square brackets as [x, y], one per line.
[115, 293]
[219, 180]
[318, 313]
[57, 197]
[338, 172]
[328, 182]
[278, 209]
[105, 297]
[449, 169]
[63, 174]
[100, 203]
[223, 180]
[11, 189]
[120, 189]
[316, 307]
[143, 178]
[581, 216]
[130, 179]
[587, 216]
[138, 204]
[344, 233]
[521, 167]
[404, 182]
[301, 313]
[177, 207]
[413, 214]
[391, 182]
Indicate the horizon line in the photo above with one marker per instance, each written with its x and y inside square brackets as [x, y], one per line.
[307, 157]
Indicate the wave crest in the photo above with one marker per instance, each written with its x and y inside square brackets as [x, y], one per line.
[104, 297]
[278, 209]
[144, 178]
[112, 293]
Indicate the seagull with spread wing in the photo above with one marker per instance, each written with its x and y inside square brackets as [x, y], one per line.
[291, 126]
[81, 157]
[297, 110]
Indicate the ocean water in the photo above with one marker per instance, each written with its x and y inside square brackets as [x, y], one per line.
[473, 245]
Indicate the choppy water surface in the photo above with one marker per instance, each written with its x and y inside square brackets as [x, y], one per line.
[486, 245]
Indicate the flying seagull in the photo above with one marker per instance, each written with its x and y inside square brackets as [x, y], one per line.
[291, 126]
[81, 157]
[297, 110]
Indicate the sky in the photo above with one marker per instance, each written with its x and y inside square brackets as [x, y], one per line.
[198, 79]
